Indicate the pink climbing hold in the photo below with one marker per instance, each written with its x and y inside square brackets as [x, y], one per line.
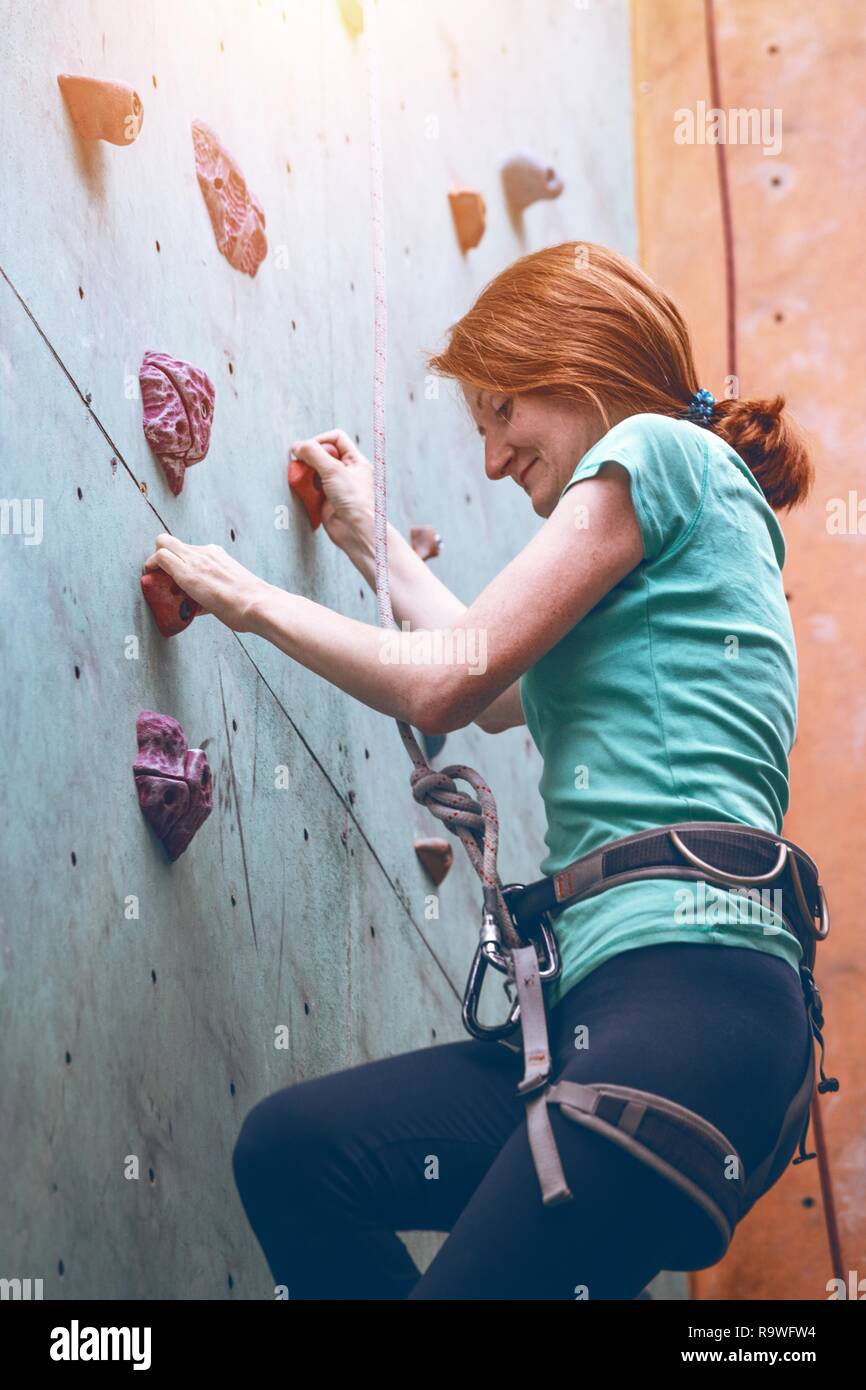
[178, 401]
[236, 214]
[100, 110]
[526, 181]
[173, 782]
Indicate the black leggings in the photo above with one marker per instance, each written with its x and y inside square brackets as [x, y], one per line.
[329, 1169]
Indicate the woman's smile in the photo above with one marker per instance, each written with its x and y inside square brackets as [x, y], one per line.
[523, 476]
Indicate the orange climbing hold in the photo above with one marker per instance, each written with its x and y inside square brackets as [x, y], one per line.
[171, 607]
[469, 212]
[236, 215]
[307, 485]
[436, 856]
[425, 542]
[100, 110]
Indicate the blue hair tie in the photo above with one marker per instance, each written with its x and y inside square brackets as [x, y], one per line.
[701, 407]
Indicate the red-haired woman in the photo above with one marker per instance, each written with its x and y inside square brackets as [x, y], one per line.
[643, 636]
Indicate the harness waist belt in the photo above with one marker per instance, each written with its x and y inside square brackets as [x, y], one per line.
[722, 853]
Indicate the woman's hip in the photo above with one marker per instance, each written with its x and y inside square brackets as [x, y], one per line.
[722, 1030]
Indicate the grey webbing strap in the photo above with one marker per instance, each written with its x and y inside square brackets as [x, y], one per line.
[537, 1064]
[580, 1103]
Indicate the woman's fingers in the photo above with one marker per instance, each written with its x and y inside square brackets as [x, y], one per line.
[310, 450]
[166, 546]
[340, 439]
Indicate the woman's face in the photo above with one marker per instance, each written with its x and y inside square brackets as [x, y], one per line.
[535, 440]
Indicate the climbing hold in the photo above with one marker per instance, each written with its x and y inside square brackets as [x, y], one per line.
[307, 485]
[173, 782]
[236, 215]
[468, 211]
[527, 181]
[99, 110]
[178, 402]
[433, 745]
[352, 12]
[436, 856]
[425, 542]
[171, 607]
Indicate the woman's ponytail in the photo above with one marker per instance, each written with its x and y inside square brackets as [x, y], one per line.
[769, 441]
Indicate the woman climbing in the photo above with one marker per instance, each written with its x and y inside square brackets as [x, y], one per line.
[643, 636]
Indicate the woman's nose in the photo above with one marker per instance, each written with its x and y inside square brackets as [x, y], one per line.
[497, 456]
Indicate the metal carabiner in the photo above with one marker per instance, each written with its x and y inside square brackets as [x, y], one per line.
[549, 964]
[491, 954]
[822, 932]
[472, 997]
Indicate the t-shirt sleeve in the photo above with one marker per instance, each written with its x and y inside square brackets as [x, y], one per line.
[667, 462]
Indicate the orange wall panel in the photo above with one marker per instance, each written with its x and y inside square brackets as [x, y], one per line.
[801, 330]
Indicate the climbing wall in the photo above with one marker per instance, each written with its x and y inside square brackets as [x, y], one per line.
[147, 1004]
[800, 330]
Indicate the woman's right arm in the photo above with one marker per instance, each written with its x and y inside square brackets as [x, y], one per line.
[419, 598]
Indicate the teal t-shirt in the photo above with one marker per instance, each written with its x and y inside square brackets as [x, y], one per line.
[673, 699]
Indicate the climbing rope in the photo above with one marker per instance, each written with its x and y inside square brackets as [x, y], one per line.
[475, 822]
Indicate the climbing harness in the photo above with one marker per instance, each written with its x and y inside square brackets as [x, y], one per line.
[675, 1141]
[680, 1144]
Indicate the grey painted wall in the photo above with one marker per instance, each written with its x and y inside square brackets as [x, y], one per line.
[153, 1037]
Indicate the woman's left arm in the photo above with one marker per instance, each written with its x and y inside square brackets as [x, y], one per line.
[441, 679]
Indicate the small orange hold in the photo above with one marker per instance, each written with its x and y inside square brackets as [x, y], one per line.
[100, 110]
[436, 856]
[425, 542]
[306, 484]
[171, 607]
[469, 212]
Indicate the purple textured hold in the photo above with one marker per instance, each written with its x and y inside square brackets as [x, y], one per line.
[173, 782]
[178, 402]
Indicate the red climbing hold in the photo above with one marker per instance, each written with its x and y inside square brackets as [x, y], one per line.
[178, 402]
[99, 110]
[171, 607]
[436, 856]
[527, 181]
[307, 485]
[236, 215]
[425, 542]
[469, 212]
[173, 782]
